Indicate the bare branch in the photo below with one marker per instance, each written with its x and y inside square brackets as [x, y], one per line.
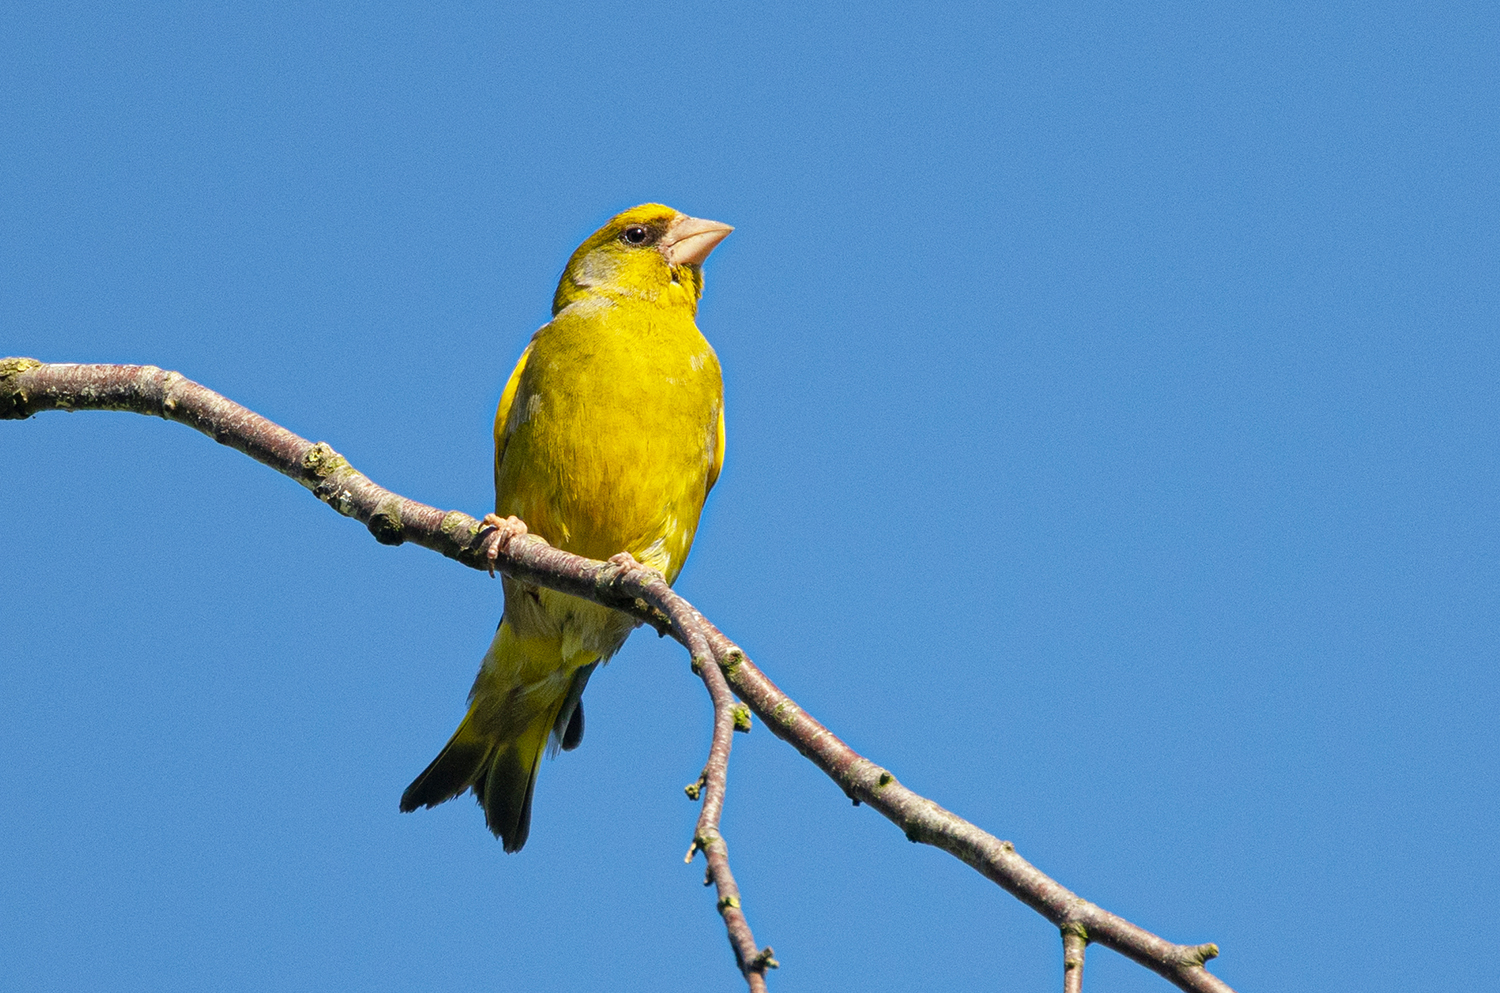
[1075, 944]
[753, 960]
[28, 387]
[713, 782]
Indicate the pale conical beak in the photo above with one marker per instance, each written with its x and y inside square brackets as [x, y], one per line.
[689, 239]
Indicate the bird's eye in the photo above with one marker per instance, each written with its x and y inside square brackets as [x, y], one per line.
[635, 235]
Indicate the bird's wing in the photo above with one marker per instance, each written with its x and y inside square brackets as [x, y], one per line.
[502, 413]
[713, 472]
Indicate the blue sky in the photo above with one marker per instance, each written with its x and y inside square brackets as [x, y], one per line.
[1113, 455]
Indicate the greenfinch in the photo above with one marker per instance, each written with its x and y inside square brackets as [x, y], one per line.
[608, 437]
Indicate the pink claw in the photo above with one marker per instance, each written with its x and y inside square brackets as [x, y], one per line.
[506, 530]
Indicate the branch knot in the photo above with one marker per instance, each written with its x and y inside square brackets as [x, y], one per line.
[766, 959]
[14, 403]
[385, 524]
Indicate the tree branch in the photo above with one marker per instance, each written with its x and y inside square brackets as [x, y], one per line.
[752, 960]
[28, 387]
[1075, 944]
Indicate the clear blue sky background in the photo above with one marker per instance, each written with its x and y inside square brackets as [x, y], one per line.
[1113, 454]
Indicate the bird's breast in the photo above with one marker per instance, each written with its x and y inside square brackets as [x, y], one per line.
[611, 438]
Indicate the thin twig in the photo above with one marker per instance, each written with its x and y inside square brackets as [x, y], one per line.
[713, 782]
[753, 960]
[1075, 944]
[28, 387]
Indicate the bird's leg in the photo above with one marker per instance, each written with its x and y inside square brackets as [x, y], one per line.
[506, 530]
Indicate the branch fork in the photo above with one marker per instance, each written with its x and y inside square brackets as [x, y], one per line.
[28, 387]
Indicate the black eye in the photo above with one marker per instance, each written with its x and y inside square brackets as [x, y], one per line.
[635, 235]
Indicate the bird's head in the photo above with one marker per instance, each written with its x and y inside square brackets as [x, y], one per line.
[650, 252]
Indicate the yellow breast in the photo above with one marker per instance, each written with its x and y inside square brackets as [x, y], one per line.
[611, 439]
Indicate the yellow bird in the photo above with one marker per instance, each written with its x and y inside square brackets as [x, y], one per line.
[609, 435]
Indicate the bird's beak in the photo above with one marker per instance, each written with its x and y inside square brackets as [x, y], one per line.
[688, 240]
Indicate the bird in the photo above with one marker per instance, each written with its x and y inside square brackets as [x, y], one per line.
[608, 437]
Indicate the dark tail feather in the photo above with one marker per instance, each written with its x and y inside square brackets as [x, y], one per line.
[568, 731]
[504, 789]
[452, 772]
[507, 780]
[502, 768]
[503, 777]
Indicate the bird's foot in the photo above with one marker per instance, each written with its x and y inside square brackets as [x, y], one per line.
[629, 563]
[625, 561]
[506, 530]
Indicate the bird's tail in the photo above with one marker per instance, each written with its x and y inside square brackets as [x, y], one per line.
[498, 757]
